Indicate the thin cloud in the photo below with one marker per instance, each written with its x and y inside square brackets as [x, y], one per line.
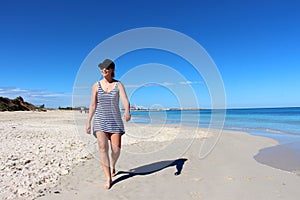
[9, 92]
[163, 84]
[168, 84]
[37, 97]
[82, 87]
[190, 83]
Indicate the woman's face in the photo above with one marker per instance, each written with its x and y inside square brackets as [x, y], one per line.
[107, 72]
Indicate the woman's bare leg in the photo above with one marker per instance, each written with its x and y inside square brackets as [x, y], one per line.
[102, 139]
[115, 140]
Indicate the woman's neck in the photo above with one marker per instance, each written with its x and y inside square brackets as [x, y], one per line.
[107, 79]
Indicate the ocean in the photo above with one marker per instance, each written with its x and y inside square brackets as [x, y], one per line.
[282, 124]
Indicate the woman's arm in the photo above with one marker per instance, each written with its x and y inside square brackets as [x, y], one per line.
[125, 102]
[92, 109]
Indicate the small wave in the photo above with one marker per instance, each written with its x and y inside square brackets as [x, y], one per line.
[267, 130]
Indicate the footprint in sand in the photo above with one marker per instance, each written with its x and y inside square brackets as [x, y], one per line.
[195, 195]
[197, 179]
[229, 178]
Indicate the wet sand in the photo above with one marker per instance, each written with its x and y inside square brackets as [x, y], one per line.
[284, 156]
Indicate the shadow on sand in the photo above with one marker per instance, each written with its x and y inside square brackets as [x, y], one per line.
[150, 169]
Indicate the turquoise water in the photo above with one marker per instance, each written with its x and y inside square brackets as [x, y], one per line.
[283, 124]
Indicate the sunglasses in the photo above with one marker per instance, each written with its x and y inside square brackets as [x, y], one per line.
[108, 68]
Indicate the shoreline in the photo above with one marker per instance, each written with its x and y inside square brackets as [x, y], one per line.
[284, 156]
[280, 156]
[50, 160]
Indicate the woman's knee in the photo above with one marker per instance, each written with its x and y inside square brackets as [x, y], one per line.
[102, 142]
[103, 148]
[115, 149]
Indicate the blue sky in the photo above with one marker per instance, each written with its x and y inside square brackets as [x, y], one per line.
[255, 45]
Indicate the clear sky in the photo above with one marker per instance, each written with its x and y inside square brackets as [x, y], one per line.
[254, 43]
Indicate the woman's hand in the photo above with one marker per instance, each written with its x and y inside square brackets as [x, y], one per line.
[88, 128]
[126, 116]
[125, 102]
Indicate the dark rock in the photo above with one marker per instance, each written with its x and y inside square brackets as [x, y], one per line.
[17, 104]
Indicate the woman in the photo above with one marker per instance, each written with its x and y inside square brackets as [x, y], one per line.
[108, 124]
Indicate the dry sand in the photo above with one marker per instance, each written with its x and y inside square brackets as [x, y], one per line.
[36, 149]
[157, 162]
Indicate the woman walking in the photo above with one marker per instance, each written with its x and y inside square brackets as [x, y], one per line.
[108, 124]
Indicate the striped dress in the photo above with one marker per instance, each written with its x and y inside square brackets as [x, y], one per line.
[108, 116]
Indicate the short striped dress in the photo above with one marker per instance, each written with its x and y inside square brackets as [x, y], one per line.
[107, 115]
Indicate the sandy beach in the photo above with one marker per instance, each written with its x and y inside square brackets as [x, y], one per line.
[45, 155]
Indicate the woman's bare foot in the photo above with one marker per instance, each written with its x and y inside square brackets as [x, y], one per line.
[107, 185]
[113, 172]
